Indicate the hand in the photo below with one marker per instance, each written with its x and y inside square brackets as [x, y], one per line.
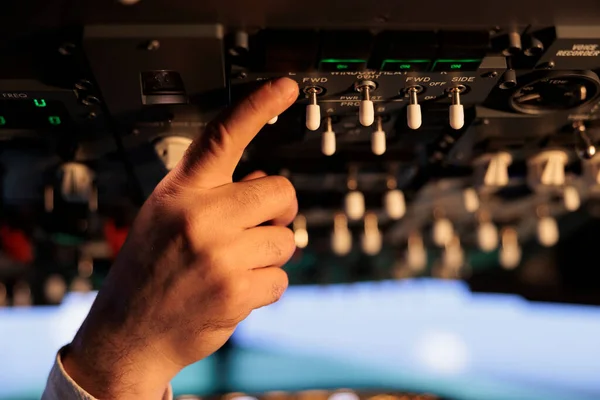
[197, 261]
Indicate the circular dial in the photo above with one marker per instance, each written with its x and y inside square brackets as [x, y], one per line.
[557, 92]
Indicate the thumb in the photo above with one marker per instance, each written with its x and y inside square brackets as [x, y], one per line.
[211, 159]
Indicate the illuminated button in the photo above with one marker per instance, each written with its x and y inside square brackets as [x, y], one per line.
[341, 65]
[405, 65]
[39, 102]
[54, 120]
[456, 65]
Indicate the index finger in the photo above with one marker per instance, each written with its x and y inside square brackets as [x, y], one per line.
[212, 158]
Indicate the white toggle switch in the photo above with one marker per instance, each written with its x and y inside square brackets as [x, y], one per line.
[487, 236]
[378, 140]
[443, 232]
[571, 198]
[355, 205]
[300, 232]
[413, 110]
[395, 204]
[171, 150]
[470, 200]
[510, 252]
[341, 237]
[547, 231]
[492, 169]
[453, 257]
[76, 182]
[548, 168]
[313, 111]
[457, 112]
[371, 240]
[272, 120]
[328, 140]
[416, 255]
[366, 110]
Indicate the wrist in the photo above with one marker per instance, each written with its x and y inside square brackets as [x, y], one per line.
[109, 362]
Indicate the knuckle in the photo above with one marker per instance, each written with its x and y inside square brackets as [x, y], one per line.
[288, 242]
[251, 194]
[282, 188]
[233, 291]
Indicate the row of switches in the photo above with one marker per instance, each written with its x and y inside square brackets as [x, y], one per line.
[366, 110]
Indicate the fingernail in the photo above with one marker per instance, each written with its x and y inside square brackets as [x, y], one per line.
[287, 87]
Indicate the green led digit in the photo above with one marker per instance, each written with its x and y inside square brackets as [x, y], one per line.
[54, 120]
[2, 120]
[39, 102]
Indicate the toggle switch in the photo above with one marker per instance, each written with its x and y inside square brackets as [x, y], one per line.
[371, 240]
[487, 233]
[492, 169]
[394, 201]
[509, 255]
[413, 110]
[571, 198]
[313, 111]
[171, 150]
[378, 140]
[366, 110]
[341, 237]
[547, 227]
[328, 140]
[77, 182]
[548, 168]
[273, 120]
[355, 200]
[470, 200]
[457, 112]
[443, 231]
[584, 145]
[453, 257]
[416, 255]
[300, 232]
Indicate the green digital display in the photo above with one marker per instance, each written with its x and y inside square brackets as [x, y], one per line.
[337, 64]
[35, 114]
[54, 120]
[405, 65]
[456, 65]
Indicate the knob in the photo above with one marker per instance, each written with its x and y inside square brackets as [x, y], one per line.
[378, 140]
[313, 111]
[272, 120]
[328, 140]
[416, 255]
[457, 112]
[366, 111]
[341, 238]
[413, 110]
[171, 150]
[492, 169]
[548, 168]
[300, 232]
[510, 252]
[371, 240]
[76, 182]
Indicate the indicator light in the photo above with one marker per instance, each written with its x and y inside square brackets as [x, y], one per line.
[54, 120]
[335, 64]
[2, 120]
[405, 65]
[455, 66]
[39, 102]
